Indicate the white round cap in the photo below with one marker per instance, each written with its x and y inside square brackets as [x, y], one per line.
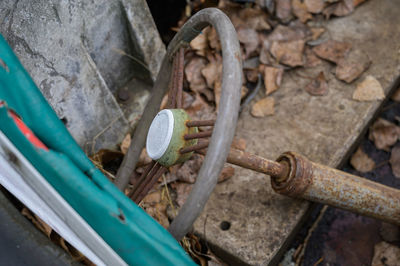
[160, 134]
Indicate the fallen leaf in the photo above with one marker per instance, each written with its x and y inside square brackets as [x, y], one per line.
[144, 158]
[213, 40]
[39, 223]
[316, 33]
[384, 134]
[226, 173]
[254, 18]
[395, 161]
[361, 162]
[212, 71]
[251, 75]
[243, 92]
[283, 10]
[314, 6]
[189, 169]
[352, 66]
[272, 79]
[286, 33]
[263, 107]
[239, 144]
[126, 142]
[265, 57]
[152, 198]
[288, 53]
[369, 89]
[188, 99]
[300, 10]
[200, 110]
[332, 50]
[217, 92]
[396, 96]
[318, 86]
[311, 59]
[196, 81]
[164, 102]
[249, 38]
[199, 44]
[182, 192]
[386, 254]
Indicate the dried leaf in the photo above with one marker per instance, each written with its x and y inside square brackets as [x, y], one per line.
[226, 173]
[386, 254]
[189, 169]
[152, 198]
[212, 71]
[254, 18]
[217, 92]
[285, 33]
[272, 79]
[316, 33]
[249, 38]
[283, 10]
[332, 50]
[369, 89]
[384, 134]
[196, 81]
[39, 223]
[395, 161]
[314, 6]
[396, 96]
[318, 86]
[144, 158]
[263, 107]
[182, 192]
[199, 44]
[311, 59]
[213, 40]
[352, 66]
[289, 53]
[126, 142]
[300, 10]
[265, 56]
[361, 162]
[200, 110]
[251, 75]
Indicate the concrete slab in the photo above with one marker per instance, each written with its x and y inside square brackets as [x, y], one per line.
[322, 128]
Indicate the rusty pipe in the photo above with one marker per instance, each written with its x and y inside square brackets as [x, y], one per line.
[319, 183]
[257, 163]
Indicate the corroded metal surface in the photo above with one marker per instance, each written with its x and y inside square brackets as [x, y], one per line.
[257, 163]
[319, 183]
[322, 128]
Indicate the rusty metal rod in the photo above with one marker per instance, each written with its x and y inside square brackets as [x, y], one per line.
[142, 177]
[203, 134]
[203, 123]
[179, 77]
[196, 147]
[172, 87]
[319, 183]
[145, 180]
[257, 163]
[149, 185]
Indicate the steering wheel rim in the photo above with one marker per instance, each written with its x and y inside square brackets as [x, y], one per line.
[225, 125]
